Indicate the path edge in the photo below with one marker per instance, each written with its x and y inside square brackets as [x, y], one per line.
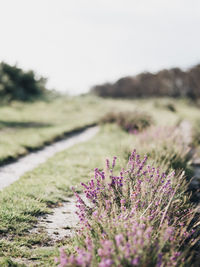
[59, 137]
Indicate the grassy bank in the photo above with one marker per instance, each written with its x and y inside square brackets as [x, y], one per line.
[28, 126]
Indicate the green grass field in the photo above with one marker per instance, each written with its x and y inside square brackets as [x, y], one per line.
[27, 126]
[31, 125]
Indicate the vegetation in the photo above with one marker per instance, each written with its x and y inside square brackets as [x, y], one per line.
[17, 84]
[138, 215]
[131, 122]
[125, 187]
[28, 126]
[36, 192]
[173, 82]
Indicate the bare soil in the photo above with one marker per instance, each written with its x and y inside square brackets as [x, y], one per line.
[63, 221]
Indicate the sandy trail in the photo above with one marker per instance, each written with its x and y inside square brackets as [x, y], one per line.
[185, 129]
[186, 132]
[12, 172]
[63, 222]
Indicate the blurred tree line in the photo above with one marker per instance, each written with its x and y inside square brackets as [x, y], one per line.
[168, 82]
[17, 84]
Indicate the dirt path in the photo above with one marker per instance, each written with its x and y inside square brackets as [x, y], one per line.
[186, 132]
[185, 129]
[12, 172]
[62, 222]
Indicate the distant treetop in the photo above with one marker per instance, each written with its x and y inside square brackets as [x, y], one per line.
[168, 82]
[17, 84]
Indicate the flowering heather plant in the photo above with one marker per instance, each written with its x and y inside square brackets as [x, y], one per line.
[165, 148]
[132, 122]
[135, 218]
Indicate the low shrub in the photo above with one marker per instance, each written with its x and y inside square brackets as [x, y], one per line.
[168, 105]
[130, 121]
[171, 107]
[138, 217]
[166, 148]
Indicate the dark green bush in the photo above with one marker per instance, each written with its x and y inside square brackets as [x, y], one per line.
[166, 105]
[130, 121]
[171, 107]
[16, 84]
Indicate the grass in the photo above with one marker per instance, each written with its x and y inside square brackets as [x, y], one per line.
[28, 126]
[35, 193]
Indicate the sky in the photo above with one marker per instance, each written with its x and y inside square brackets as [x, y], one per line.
[79, 43]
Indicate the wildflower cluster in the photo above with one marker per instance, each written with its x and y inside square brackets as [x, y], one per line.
[166, 147]
[130, 121]
[135, 218]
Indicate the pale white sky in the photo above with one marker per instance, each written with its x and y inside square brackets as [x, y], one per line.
[79, 43]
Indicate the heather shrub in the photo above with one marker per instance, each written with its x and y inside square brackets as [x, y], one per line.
[168, 105]
[137, 217]
[130, 121]
[165, 147]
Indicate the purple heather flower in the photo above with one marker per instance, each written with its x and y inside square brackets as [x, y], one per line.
[141, 190]
[106, 263]
[119, 238]
[114, 162]
[135, 261]
[159, 260]
[107, 164]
